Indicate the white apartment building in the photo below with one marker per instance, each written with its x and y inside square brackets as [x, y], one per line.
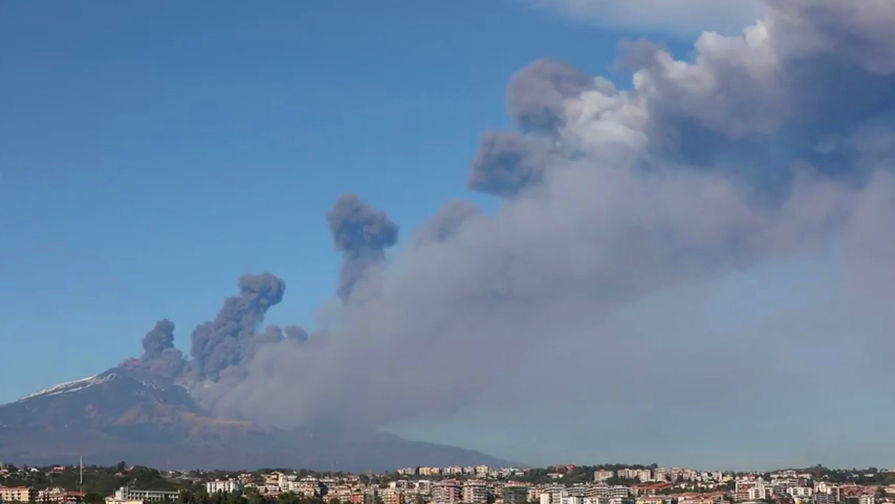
[603, 475]
[797, 492]
[552, 495]
[131, 494]
[224, 486]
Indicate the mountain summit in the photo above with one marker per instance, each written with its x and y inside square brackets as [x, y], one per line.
[118, 415]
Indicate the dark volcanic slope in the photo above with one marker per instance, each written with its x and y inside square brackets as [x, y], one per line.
[118, 416]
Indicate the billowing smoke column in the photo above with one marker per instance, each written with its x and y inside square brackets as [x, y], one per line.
[758, 148]
[362, 234]
[231, 337]
[753, 150]
[221, 348]
[160, 359]
[536, 94]
[159, 339]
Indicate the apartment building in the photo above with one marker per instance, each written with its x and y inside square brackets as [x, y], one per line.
[223, 486]
[515, 494]
[601, 475]
[392, 496]
[17, 494]
[447, 492]
[127, 494]
[476, 492]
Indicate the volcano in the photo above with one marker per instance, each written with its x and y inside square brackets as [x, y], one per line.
[120, 415]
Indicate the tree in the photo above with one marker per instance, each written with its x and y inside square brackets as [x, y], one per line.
[93, 498]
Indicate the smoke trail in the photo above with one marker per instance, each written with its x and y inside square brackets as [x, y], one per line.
[362, 234]
[231, 337]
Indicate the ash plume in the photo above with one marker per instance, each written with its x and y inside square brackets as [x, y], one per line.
[160, 358]
[159, 339]
[536, 94]
[444, 224]
[231, 337]
[745, 153]
[751, 152]
[296, 333]
[507, 163]
[362, 234]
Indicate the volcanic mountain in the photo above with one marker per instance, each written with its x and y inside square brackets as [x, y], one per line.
[120, 415]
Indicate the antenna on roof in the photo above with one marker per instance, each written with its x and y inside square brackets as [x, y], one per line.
[81, 475]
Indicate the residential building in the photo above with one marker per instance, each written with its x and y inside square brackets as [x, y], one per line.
[515, 494]
[224, 486]
[475, 492]
[603, 475]
[447, 492]
[824, 498]
[552, 495]
[59, 496]
[124, 494]
[17, 494]
[619, 492]
[654, 499]
[392, 496]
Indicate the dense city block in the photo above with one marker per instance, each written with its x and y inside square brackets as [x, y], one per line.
[565, 484]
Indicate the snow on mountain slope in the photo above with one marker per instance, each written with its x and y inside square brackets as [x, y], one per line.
[71, 386]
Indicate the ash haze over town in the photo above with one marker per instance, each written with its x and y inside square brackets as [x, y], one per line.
[676, 246]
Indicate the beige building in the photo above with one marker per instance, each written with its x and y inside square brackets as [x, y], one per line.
[17, 494]
[392, 496]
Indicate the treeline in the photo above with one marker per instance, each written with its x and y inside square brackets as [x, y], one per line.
[250, 496]
[579, 474]
[98, 480]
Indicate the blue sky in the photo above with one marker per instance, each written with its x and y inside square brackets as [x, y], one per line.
[152, 153]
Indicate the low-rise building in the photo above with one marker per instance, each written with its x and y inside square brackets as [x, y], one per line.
[866, 499]
[59, 496]
[130, 495]
[223, 486]
[603, 475]
[17, 494]
[824, 498]
[392, 496]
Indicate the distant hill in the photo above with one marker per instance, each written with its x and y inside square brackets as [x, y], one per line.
[120, 415]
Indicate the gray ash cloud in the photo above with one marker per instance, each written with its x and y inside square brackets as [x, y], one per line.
[752, 151]
[362, 234]
[231, 336]
[160, 358]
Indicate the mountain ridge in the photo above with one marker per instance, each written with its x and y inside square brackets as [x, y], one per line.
[116, 415]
